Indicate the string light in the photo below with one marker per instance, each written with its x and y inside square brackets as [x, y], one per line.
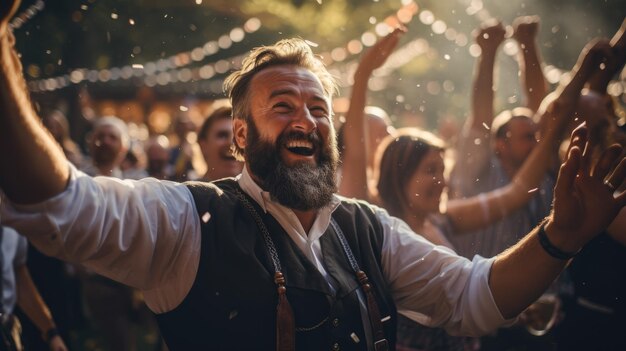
[160, 71]
[340, 60]
[18, 21]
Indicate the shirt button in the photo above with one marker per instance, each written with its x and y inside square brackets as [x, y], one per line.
[336, 322]
[336, 347]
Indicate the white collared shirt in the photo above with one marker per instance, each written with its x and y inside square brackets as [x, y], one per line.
[146, 234]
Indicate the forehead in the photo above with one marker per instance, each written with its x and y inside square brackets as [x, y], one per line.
[108, 129]
[221, 124]
[521, 125]
[432, 156]
[286, 80]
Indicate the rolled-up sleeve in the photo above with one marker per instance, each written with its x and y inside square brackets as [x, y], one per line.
[145, 233]
[445, 289]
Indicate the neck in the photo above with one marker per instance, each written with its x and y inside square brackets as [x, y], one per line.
[306, 218]
[509, 167]
[223, 170]
[105, 169]
[415, 221]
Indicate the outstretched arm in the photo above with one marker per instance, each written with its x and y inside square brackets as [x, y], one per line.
[33, 167]
[600, 80]
[526, 30]
[356, 132]
[479, 211]
[35, 308]
[584, 205]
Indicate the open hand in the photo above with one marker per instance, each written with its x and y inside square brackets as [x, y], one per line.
[585, 197]
[490, 35]
[526, 29]
[595, 54]
[380, 52]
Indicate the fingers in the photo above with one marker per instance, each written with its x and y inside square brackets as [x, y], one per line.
[593, 54]
[606, 162]
[567, 173]
[526, 27]
[490, 35]
[616, 181]
[579, 137]
[619, 38]
[388, 43]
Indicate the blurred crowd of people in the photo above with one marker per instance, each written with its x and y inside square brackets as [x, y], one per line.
[499, 186]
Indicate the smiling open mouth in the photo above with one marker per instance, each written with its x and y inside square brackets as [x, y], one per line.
[300, 147]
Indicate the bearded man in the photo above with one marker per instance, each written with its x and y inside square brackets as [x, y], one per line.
[273, 259]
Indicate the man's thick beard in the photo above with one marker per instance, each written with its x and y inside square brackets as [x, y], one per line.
[302, 186]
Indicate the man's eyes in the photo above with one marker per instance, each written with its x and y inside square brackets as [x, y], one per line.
[315, 111]
[319, 111]
[282, 107]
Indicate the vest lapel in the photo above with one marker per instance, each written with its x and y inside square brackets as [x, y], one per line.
[337, 263]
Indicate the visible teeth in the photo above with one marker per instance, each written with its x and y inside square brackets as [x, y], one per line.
[300, 143]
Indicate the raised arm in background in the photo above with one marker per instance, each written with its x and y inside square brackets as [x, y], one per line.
[35, 308]
[38, 166]
[600, 80]
[489, 38]
[583, 205]
[474, 156]
[525, 32]
[479, 211]
[354, 171]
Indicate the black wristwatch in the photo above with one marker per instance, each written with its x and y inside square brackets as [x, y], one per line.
[50, 333]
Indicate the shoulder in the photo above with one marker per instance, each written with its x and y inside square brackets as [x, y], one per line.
[356, 205]
[205, 194]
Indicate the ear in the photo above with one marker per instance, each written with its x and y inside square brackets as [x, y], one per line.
[240, 131]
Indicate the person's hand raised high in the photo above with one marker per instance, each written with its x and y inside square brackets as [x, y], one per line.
[585, 196]
[380, 52]
[526, 28]
[490, 35]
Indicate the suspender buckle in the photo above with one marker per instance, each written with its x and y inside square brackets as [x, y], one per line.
[381, 345]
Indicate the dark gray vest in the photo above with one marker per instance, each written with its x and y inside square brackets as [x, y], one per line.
[232, 303]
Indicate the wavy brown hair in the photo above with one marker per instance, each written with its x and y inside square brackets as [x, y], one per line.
[398, 157]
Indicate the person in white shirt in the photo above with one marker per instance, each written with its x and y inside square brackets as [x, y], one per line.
[213, 259]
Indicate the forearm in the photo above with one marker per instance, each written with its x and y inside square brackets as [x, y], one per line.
[522, 273]
[532, 75]
[355, 153]
[33, 165]
[31, 303]
[480, 211]
[482, 92]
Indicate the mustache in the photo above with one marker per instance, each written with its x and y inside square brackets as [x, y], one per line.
[297, 135]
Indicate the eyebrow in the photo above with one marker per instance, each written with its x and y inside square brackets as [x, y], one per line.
[293, 93]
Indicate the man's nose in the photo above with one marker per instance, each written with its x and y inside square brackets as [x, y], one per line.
[304, 121]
